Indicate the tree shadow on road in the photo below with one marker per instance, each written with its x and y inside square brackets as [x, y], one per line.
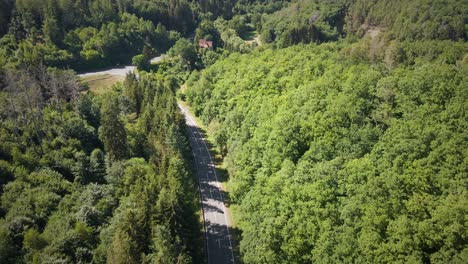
[223, 196]
[218, 234]
[223, 175]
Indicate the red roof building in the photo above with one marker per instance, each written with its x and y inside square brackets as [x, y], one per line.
[203, 44]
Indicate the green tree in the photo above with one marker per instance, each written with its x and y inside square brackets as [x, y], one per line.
[97, 165]
[347, 161]
[51, 30]
[8, 252]
[141, 61]
[33, 240]
[185, 51]
[112, 130]
[134, 91]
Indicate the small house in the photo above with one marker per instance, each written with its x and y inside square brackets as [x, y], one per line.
[205, 44]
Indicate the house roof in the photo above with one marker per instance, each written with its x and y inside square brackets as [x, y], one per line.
[203, 43]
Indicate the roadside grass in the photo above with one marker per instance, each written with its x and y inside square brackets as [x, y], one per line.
[101, 84]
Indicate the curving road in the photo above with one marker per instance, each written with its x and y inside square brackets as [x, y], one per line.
[119, 71]
[215, 215]
[122, 70]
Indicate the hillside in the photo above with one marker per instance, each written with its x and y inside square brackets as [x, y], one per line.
[94, 179]
[333, 158]
[263, 131]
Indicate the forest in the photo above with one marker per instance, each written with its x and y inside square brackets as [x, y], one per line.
[342, 160]
[97, 33]
[94, 180]
[346, 150]
[340, 124]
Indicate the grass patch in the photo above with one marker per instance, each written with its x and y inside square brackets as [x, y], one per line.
[102, 83]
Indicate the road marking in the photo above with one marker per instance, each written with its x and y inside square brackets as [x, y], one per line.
[211, 165]
[203, 212]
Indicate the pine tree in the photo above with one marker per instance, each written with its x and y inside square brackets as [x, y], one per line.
[97, 165]
[112, 131]
[134, 91]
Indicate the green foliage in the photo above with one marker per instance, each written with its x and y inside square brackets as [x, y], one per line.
[209, 57]
[33, 240]
[185, 51]
[231, 38]
[112, 130]
[88, 110]
[92, 34]
[411, 20]
[353, 151]
[89, 34]
[207, 30]
[304, 22]
[342, 159]
[62, 201]
[7, 247]
[141, 62]
[239, 24]
[6, 172]
[307, 21]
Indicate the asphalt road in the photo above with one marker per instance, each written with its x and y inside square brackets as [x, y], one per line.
[123, 70]
[216, 224]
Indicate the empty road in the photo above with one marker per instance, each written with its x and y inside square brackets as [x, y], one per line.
[216, 224]
[122, 70]
[118, 71]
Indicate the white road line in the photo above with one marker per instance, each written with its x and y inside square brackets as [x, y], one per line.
[211, 195]
[203, 211]
[217, 183]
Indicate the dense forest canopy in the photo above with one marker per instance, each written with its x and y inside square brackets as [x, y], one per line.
[86, 34]
[94, 179]
[353, 151]
[98, 33]
[319, 21]
[88, 178]
[341, 124]
[342, 160]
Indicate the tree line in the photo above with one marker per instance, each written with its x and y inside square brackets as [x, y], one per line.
[343, 152]
[306, 21]
[97, 33]
[343, 133]
[94, 179]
